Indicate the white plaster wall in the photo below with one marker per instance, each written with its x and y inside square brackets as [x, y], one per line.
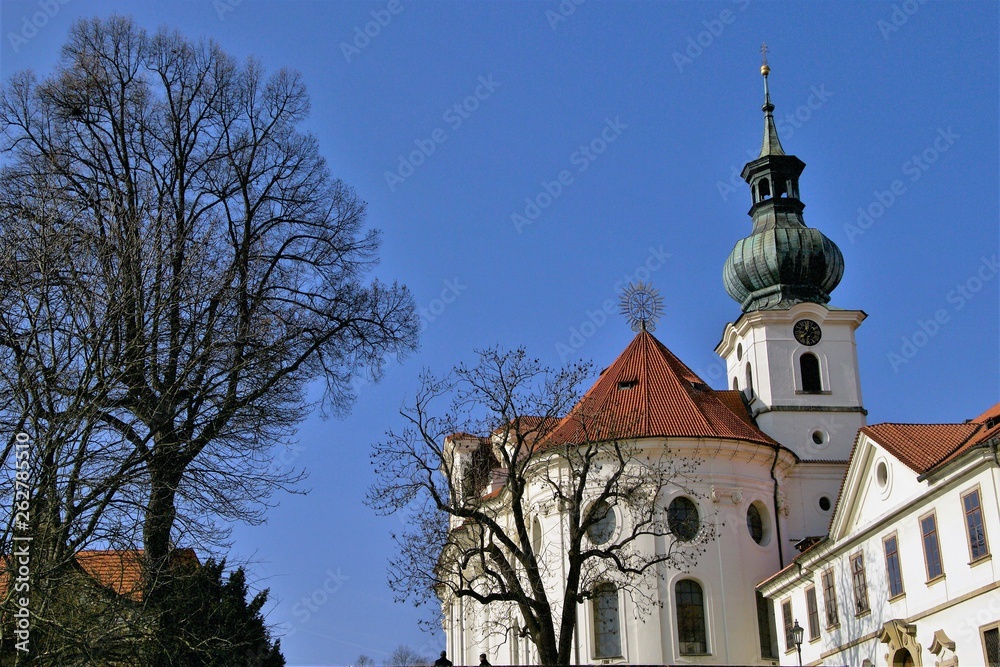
[731, 477]
[960, 603]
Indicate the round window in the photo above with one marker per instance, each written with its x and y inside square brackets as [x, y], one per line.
[882, 473]
[602, 531]
[739, 352]
[824, 503]
[682, 518]
[818, 437]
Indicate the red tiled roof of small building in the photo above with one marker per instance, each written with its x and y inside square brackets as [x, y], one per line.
[118, 570]
[649, 392]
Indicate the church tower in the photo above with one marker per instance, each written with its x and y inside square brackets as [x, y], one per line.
[791, 354]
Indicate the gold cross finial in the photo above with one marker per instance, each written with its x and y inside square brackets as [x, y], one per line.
[764, 68]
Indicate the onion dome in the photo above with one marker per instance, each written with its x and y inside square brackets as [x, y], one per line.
[782, 262]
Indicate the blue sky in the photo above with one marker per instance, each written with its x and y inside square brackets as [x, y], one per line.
[524, 159]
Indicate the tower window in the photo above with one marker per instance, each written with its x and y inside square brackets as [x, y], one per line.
[763, 189]
[749, 381]
[779, 189]
[809, 367]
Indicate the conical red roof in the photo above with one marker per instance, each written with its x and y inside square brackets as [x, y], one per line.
[648, 392]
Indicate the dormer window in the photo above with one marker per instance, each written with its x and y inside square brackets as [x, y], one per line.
[627, 384]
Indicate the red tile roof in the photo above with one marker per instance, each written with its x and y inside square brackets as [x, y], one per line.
[649, 392]
[119, 570]
[922, 447]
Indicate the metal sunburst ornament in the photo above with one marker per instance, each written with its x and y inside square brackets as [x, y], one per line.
[643, 305]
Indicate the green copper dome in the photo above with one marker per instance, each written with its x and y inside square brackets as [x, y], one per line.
[782, 262]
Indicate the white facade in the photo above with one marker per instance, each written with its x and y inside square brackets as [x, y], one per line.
[927, 614]
[764, 360]
[733, 476]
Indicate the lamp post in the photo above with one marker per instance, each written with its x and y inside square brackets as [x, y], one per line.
[797, 632]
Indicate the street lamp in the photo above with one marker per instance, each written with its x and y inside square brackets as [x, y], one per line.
[797, 632]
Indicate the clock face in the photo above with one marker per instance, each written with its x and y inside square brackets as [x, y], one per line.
[807, 332]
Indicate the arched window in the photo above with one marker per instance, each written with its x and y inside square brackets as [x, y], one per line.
[763, 189]
[809, 367]
[691, 636]
[536, 537]
[749, 388]
[607, 635]
[736, 384]
[682, 518]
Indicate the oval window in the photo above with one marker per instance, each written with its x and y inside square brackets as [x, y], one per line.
[755, 524]
[682, 518]
[602, 531]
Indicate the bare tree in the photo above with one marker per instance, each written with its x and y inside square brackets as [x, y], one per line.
[476, 500]
[404, 656]
[179, 267]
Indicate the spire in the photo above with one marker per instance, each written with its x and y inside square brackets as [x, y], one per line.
[771, 145]
[782, 262]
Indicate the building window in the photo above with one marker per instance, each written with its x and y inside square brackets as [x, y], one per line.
[691, 635]
[755, 523]
[830, 599]
[763, 189]
[974, 526]
[813, 608]
[894, 573]
[607, 635]
[603, 529]
[682, 518]
[991, 646]
[932, 549]
[765, 628]
[860, 584]
[749, 389]
[786, 621]
[809, 367]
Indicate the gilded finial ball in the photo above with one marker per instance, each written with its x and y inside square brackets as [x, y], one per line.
[765, 70]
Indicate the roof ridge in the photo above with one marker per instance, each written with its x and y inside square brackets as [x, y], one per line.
[966, 423]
